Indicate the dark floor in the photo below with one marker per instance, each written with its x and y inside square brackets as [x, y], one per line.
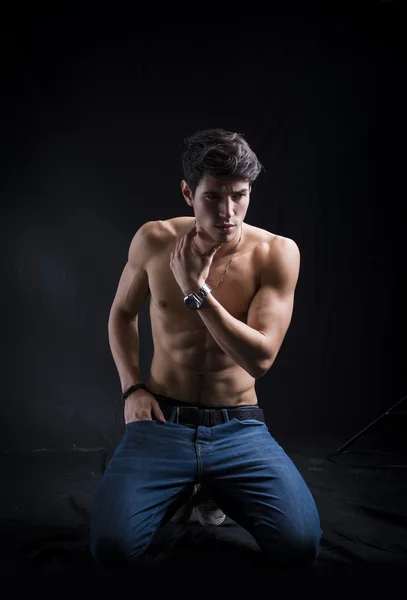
[46, 497]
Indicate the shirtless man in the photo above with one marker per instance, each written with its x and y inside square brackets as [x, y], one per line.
[221, 301]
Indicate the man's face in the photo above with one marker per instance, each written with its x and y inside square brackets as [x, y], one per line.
[216, 202]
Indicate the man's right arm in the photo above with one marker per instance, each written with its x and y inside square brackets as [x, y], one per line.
[132, 290]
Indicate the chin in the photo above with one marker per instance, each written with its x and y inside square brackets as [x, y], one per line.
[225, 233]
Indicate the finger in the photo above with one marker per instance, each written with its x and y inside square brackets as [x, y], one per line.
[177, 246]
[191, 233]
[158, 412]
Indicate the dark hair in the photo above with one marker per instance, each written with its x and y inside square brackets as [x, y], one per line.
[220, 154]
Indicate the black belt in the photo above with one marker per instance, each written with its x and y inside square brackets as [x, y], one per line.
[192, 415]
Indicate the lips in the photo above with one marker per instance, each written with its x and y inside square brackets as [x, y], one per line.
[225, 226]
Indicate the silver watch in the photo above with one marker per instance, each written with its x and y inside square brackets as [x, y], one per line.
[196, 299]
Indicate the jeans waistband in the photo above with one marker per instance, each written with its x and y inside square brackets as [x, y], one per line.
[208, 415]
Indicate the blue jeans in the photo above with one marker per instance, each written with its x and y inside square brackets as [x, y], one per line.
[153, 471]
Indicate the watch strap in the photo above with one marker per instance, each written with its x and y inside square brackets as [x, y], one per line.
[204, 290]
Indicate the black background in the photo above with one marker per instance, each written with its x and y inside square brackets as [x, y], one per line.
[94, 116]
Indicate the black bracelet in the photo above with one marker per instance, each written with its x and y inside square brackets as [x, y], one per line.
[132, 389]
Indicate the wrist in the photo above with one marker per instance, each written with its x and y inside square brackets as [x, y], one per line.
[133, 389]
[130, 376]
[194, 287]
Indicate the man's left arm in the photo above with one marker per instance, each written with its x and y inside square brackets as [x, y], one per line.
[255, 345]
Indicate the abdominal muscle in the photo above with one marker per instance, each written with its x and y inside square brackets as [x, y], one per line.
[197, 375]
[188, 365]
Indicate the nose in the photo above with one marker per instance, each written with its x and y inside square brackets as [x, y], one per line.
[227, 209]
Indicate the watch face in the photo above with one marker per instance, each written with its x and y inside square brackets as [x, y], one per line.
[192, 302]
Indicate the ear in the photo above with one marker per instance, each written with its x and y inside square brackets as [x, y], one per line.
[186, 192]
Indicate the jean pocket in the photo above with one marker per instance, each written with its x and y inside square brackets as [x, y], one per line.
[250, 421]
[139, 421]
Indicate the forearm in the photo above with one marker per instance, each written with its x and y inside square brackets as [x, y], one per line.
[243, 344]
[124, 345]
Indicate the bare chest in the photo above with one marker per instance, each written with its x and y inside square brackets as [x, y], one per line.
[235, 292]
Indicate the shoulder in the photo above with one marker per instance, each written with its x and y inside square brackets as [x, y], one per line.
[269, 245]
[144, 243]
[158, 233]
[282, 248]
[278, 259]
[153, 236]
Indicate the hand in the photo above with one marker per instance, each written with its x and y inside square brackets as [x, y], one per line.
[140, 406]
[190, 270]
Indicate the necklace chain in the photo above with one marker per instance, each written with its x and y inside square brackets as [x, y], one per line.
[227, 266]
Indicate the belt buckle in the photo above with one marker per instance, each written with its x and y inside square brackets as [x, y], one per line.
[184, 410]
[209, 417]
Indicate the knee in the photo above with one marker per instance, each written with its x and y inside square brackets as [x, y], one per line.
[304, 549]
[294, 548]
[112, 550]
